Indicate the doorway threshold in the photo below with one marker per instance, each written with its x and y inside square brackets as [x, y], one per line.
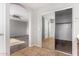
[64, 52]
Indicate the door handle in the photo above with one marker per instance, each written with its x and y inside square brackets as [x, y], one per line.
[1, 34]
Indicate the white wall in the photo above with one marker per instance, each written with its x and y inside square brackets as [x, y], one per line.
[33, 28]
[3, 38]
[75, 27]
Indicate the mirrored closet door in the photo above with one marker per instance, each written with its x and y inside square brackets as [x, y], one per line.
[48, 26]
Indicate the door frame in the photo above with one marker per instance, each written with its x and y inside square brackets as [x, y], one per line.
[53, 11]
[8, 29]
[40, 24]
[72, 28]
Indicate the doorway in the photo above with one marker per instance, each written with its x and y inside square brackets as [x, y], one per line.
[63, 30]
[19, 38]
[19, 28]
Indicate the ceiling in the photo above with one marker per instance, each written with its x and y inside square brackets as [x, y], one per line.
[35, 5]
[42, 6]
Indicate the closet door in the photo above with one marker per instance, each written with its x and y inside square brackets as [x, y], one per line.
[64, 16]
[43, 28]
[63, 32]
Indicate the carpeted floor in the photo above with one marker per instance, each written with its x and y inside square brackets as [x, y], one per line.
[35, 51]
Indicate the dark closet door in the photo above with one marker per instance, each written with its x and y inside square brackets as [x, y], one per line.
[63, 16]
[63, 24]
[64, 31]
[43, 28]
